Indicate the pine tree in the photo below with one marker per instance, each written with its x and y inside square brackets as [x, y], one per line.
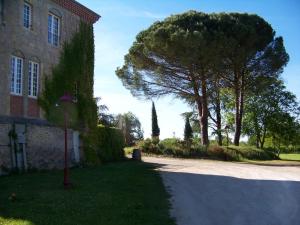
[155, 128]
[188, 132]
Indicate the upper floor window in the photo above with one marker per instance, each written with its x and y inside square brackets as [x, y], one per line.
[1, 10]
[33, 78]
[53, 29]
[27, 15]
[16, 75]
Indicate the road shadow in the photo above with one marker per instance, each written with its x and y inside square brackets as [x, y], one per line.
[201, 199]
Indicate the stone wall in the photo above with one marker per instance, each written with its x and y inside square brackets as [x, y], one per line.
[5, 153]
[44, 147]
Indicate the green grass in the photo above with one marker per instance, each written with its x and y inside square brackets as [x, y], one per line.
[294, 157]
[126, 193]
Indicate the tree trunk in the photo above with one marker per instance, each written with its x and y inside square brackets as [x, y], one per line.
[219, 118]
[204, 116]
[257, 141]
[202, 108]
[199, 108]
[239, 109]
[257, 131]
[263, 138]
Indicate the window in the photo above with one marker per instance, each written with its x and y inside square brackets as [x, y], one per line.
[16, 75]
[1, 10]
[53, 29]
[27, 11]
[33, 78]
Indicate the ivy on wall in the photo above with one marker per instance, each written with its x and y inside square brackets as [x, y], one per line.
[73, 74]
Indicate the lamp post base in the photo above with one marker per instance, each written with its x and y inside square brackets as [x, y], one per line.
[68, 185]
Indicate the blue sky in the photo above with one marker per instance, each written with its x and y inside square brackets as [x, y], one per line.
[122, 20]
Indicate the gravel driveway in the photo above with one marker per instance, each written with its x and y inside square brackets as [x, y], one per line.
[208, 192]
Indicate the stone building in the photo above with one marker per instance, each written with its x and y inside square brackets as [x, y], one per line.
[32, 33]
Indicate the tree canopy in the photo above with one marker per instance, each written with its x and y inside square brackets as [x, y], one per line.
[194, 55]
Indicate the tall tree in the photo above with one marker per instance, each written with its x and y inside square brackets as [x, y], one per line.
[155, 127]
[250, 51]
[182, 55]
[188, 132]
[173, 57]
[266, 109]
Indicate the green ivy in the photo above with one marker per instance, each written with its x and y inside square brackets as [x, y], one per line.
[74, 74]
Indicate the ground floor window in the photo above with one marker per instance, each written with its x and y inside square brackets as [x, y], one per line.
[16, 75]
[33, 78]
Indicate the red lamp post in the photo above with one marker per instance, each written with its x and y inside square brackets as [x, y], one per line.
[65, 100]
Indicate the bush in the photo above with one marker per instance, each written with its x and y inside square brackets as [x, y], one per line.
[172, 147]
[110, 144]
[176, 148]
[252, 153]
[91, 157]
[218, 152]
[103, 144]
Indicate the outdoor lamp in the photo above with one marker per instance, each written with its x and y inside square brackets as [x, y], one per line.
[66, 101]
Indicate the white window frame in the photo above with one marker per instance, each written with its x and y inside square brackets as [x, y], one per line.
[52, 34]
[27, 15]
[16, 75]
[33, 79]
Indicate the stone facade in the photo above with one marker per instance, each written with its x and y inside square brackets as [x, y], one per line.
[31, 44]
[43, 147]
[5, 151]
[37, 137]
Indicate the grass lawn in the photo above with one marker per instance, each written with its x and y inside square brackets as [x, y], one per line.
[125, 193]
[295, 157]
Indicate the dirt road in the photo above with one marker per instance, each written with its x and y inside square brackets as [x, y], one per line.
[223, 193]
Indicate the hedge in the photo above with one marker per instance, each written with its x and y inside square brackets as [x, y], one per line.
[104, 144]
[110, 144]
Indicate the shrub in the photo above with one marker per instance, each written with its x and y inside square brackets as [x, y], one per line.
[177, 148]
[218, 152]
[110, 143]
[103, 144]
[91, 157]
[252, 153]
[172, 147]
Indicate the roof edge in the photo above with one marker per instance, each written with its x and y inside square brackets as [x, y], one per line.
[79, 9]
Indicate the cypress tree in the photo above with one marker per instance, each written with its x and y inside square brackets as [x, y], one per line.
[155, 128]
[188, 132]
